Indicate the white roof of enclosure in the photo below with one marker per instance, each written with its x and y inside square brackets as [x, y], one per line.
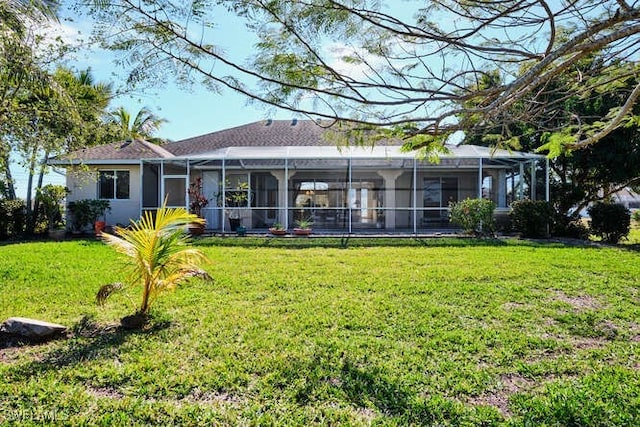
[376, 152]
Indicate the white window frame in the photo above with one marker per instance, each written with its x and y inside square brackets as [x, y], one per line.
[115, 184]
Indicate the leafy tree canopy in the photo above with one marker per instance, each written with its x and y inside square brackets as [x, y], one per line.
[581, 176]
[410, 64]
[21, 74]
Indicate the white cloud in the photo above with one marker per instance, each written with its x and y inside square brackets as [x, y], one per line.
[358, 68]
[69, 33]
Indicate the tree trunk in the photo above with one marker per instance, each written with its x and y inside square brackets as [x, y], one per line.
[144, 307]
[11, 188]
[31, 220]
[36, 202]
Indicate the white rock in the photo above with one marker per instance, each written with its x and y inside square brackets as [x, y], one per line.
[31, 328]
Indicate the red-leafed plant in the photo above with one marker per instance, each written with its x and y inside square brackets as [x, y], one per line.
[197, 200]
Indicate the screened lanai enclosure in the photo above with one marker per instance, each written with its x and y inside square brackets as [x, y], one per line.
[342, 190]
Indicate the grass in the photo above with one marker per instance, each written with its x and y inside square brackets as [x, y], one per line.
[634, 235]
[306, 331]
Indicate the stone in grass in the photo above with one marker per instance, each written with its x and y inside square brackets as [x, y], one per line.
[32, 329]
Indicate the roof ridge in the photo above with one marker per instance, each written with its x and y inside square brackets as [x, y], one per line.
[156, 148]
[264, 122]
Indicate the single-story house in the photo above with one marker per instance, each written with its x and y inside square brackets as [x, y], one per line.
[280, 171]
[627, 197]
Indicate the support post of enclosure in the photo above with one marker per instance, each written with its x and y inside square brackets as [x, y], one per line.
[141, 207]
[286, 193]
[546, 180]
[521, 182]
[480, 172]
[349, 193]
[224, 193]
[532, 190]
[415, 196]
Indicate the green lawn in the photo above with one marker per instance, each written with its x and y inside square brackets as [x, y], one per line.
[304, 331]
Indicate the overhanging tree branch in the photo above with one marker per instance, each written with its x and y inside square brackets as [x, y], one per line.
[393, 70]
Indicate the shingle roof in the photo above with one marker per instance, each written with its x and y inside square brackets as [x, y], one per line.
[271, 138]
[123, 150]
[266, 133]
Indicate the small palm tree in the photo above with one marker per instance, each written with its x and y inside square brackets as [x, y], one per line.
[160, 257]
[143, 126]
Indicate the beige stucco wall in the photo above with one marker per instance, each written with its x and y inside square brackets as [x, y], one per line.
[83, 185]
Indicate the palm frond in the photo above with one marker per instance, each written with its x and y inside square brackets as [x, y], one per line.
[198, 272]
[106, 291]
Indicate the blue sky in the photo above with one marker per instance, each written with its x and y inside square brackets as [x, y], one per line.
[190, 112]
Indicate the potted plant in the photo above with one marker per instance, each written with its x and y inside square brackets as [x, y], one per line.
[98, 210]
[278, 229]
[235, 201]
[303, 227]
[87, 212]
[51, 197]
[197, 201]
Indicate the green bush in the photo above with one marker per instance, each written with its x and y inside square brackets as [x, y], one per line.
[474, 215]
[13, 215]
[532, 218]
[85, 212]
[564, 226]
[51, 210]
[610, 221]
[636, 216]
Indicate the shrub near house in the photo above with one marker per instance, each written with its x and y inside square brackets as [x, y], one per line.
[475, 216]
[532, 218]
[610, 221]
[85, 212]
[13, 218]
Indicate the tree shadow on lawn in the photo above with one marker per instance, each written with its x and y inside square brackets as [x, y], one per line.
[365, 387]
[634, 247]
[372, 391]
[87, 341]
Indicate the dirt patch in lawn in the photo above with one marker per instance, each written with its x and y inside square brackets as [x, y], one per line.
[9, 355]
[508, 385]
[514, 306]
[579, 302]
[212, 398]
[589, 343]
[499, 398]
[105, 392]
